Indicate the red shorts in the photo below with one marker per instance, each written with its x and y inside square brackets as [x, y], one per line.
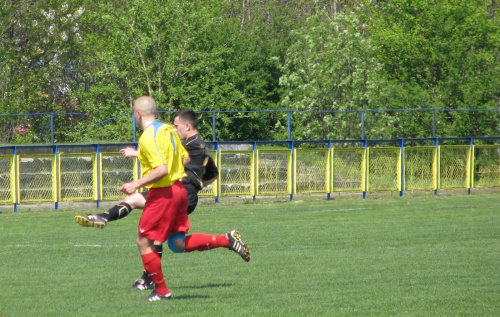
[165, 212]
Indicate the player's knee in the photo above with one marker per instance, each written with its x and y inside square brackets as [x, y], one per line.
[143, 244]
[136, 201]
[176, 242]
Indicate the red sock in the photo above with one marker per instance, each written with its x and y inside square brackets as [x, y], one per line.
[203, 242]
[152, 266]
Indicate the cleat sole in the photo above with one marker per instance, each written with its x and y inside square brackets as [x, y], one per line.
[237, 235]
[83, 221]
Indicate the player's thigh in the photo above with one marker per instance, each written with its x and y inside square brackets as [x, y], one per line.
[181, 223]
[165, 212]
[136, 201]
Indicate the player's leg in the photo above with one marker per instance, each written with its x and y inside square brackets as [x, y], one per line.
[145, 282]
[156, 224]
[203, 242]
[200, 241]
[119, 211]
[129, 203]
[152, 265]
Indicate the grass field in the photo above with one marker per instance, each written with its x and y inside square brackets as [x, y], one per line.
[417, 255]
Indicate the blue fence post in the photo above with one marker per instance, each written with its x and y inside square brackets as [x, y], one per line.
[214, 134]
[291, 146]
[328, 196]
[289, 125]
[134, 127]
[138, 165]
[402, 145]
[255, 171]
[433, 123]
[217, 157]
[362, 125]
[16, 181]
[365, 146]
[97, 149]
[52, 128]
[55, 150]
[471, 167]
[438, 177]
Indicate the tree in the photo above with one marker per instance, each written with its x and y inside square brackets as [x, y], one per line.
[440, 54]
[36, 47]
[331, 66]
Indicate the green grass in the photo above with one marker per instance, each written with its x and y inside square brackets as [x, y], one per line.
[416, 255]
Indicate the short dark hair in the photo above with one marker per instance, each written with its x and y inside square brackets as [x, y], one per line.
[188, 115]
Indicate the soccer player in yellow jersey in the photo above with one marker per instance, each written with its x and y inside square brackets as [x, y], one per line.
[165, 213]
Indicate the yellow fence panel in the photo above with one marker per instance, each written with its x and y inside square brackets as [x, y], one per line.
[211, 190]
[114, 171]
[236, 173]
[486, 166]
[420, 165]
[77, 176]
[384, 169]
[88, 176]
[37, 178]
[454, 166]
[274, 172]
[7, 180]
[311, 171]
[348, 170]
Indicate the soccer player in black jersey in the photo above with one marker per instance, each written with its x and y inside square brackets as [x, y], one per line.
[201, 171]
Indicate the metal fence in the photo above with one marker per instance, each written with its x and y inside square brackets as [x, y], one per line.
[54, 127]
[94, 172]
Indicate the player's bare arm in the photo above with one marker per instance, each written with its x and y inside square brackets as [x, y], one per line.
[153, 176]
[186, 161]
[129, 152]
[208, 182]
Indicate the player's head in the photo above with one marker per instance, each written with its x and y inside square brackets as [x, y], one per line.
[186, 123]
[187, 116]
[145, 106]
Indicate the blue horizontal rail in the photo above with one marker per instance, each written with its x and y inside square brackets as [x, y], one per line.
[288, 113]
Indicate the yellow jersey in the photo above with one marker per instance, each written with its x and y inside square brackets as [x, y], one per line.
[160, 145]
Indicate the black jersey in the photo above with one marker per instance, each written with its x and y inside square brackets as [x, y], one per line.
[201, 162]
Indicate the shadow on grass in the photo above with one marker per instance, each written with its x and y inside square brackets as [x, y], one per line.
[189, 297]
[211, 285]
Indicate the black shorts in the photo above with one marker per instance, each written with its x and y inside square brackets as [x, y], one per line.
[192, 194]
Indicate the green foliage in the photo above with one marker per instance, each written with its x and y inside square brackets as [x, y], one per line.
[331, 66]
[440, 54]
[95, 57]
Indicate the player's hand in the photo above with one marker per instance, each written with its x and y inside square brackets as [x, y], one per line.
[129, 152]
[129, 188]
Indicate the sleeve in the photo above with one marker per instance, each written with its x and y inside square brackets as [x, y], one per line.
[211, 170]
